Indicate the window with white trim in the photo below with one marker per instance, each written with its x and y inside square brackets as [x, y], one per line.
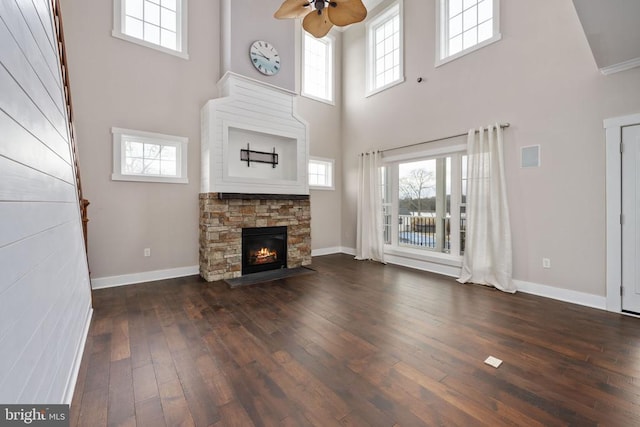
[385, 49]
[317, 67]
[321, 173]
[465, 26]
[158, 24]
[148, 156]
[424, 203]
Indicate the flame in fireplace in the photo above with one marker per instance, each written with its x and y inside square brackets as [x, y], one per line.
[264, 256]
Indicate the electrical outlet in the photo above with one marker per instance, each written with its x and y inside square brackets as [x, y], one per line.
[147, 251]
[546, 263]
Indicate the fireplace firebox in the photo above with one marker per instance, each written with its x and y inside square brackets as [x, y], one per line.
[263, 248]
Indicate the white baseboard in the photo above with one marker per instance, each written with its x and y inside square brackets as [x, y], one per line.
[566, 295]
[75, 368]
[348, 251]
[560, 294]
[333, 250]
[433, 267]
[325, 251]
[145, 276]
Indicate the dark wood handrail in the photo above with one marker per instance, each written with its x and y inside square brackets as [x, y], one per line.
[84, 203]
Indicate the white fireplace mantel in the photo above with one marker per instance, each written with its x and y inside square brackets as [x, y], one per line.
[264, 116]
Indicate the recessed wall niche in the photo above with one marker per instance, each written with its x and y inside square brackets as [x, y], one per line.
[263, 116]
[284, 147]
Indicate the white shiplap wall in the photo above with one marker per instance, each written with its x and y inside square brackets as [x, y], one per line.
[45, 302]
[254, 106]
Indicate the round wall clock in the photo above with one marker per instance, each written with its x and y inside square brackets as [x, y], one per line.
[264, 57]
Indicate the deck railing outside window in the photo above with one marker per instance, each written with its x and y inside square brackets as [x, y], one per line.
[420, 231]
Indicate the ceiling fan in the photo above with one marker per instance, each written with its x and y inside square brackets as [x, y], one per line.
[321, 15]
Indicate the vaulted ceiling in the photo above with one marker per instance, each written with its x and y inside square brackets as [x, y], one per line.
[613, 32]
[370, 4]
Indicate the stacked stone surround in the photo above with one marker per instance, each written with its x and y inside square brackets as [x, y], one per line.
[222, 221]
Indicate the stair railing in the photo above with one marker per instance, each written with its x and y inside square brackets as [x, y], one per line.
[84, 203]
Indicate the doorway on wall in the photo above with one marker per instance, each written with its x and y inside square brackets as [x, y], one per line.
[630, 219]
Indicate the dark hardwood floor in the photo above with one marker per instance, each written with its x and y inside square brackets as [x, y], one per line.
[357, 343]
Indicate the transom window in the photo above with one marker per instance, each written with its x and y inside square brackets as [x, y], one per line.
[146, 156]
[385, 45]
[317, 73]
[321, 173]
[465, 26]
[160, 24]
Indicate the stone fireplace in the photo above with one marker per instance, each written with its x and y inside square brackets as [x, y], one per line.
[255, 155]
[223, 217]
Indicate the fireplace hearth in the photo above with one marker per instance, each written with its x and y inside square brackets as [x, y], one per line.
[263, 249]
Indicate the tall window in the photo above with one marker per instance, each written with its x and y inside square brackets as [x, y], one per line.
[385, 45]
[317, 72]
[465, 26]
[147, 156]
[423, 206]
[159, 24]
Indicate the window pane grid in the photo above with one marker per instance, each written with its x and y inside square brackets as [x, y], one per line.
[317, 67]
[143, 158]
[149, 157]
[317, 174]
[387, 207]
[152, 21]
[386, 222]
[469, 22]
[320, 173]
[386, 51]
[463, 203]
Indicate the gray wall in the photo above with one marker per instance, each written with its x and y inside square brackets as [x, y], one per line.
[246, 21]
[45, 298]
[541, 77]
[325, 140]
[122, 84]
[118, 83]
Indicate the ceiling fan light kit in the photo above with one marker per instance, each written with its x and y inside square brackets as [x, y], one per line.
[325, 14]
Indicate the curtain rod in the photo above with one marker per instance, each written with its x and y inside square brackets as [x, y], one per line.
[502, 125]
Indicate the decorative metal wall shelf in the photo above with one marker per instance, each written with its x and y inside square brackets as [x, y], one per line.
[250, 155]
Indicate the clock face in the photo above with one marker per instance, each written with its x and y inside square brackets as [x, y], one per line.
[264, 57]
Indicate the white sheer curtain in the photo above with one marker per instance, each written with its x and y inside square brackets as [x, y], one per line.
[370, 239]
[487, 252]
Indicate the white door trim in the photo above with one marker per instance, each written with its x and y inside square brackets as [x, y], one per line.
[613, 128]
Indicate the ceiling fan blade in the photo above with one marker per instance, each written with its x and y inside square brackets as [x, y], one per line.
[318, 25]
[292, 9]
[347, 12]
